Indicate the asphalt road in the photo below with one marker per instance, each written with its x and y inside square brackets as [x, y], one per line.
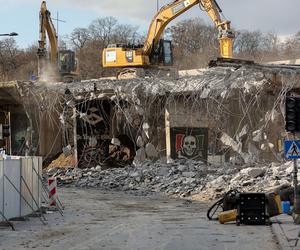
[94, 219]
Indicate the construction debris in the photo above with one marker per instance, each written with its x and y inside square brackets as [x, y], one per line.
[62, 162]
[103, 109]
[181, 179]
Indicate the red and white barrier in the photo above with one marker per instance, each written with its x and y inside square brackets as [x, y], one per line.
[52, 186]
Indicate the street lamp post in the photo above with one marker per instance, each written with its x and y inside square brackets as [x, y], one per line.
[9, 34]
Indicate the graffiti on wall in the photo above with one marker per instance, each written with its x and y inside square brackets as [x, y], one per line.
[189, 143]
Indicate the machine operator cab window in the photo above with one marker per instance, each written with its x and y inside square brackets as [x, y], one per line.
[67, 61]
[167, 53]
[163, 55]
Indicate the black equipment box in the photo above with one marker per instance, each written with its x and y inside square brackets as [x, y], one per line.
[252, 209]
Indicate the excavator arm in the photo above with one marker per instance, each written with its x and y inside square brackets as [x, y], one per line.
[170, 11]
[47, 27]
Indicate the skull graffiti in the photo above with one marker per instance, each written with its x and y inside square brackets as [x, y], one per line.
[189, 145]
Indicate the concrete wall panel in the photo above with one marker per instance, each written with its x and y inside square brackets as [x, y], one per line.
[12, 188]
[35, 183]
[19, 182]
[27, 202]
[1, 189]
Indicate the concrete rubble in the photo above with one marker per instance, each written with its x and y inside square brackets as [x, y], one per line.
[196, 180]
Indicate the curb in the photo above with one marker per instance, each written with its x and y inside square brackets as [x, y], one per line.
[280, 236]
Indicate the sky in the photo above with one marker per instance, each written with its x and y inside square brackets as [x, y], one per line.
[22, 16]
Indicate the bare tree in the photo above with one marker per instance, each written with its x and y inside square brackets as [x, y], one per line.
[291, 47]
[30, 63]
[102, 30]
[248, 44]
[8, 57]
[90, 42]
[124, 34]
[195, 43]
[79, 37]
[16, 63]
[255, 45]
[62, 42]
[270, 46]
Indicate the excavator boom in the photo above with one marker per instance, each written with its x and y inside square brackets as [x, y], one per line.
[164, 16]
[170, 11]
[46, 25]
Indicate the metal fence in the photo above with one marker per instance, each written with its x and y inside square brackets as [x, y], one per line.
[20, 186]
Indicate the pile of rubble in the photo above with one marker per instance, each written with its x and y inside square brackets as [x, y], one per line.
[180, 179]
[256, 178]
[62, 161]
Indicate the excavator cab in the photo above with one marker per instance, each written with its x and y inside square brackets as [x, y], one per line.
[66, 61]
[163, 54]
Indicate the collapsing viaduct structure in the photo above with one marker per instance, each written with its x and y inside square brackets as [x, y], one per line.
[232, 113]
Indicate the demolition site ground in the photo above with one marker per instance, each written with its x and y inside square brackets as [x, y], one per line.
[96, 219]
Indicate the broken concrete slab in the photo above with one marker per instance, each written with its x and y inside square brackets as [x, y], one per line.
[151, 151]
[253, 172]
[140, 156]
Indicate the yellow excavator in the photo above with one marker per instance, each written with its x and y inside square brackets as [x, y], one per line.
[158, 52]
[61, 62]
